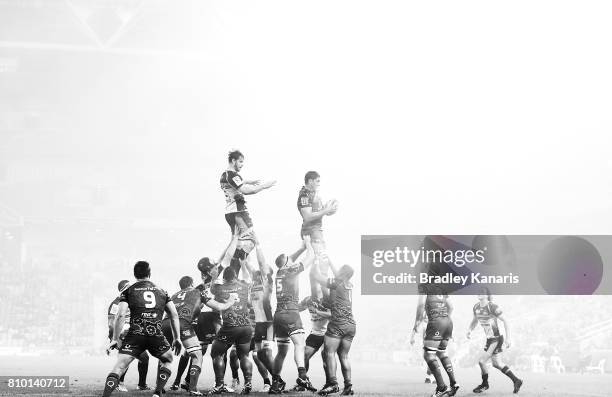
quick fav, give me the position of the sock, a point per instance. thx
(332, 380)
(162, 377)
(183, 361)
(266, 381)
(435, 370)
(194, 374)
(448, 367)
(112, 380)
(302, 372)
(506, 371)
(485, 379)
(143, 369)
(235, 373)
(275, 378)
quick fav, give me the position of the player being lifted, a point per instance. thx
(143, 360)
(487, 313)
(146, 303)
(434, 302)
(235, 188)
(341, 328)
(287, 321)
(313, 210)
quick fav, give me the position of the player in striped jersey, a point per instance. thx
(235, 188)
(487, 313)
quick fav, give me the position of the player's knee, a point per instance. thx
(166, 358)
(441, 354)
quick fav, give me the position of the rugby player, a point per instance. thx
(146, 303)
(312, 210)
(287, 321)
(487, 313)
(341, 328)
(143, 360)
(434, 302)
(188, 305)
(319, 317)
(236, 329)
(208, 322)
(235, 188)
(262, 318)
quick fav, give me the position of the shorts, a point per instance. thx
(315, 341)
(345, 331)
(135, 345)
(187, 334)
(235, 335)
(314, 231)
(287, 323)
(261, 331)
(244, 215)
(500, 344)
(208, 325)
(440, 328)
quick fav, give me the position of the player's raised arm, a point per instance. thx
(174, 322)
(299, 252)
(251, 188)
(309, 257)
(228, 253)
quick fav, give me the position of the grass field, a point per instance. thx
(87, 376)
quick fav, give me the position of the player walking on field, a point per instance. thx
(487, 313)
(146, 303)
(341, 328)
(434, 302)
(235, 188)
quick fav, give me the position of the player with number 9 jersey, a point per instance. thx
(146, 303)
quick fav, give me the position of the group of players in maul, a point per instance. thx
(231, 309)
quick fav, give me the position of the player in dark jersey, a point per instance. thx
(146, 303)
(208, 322)
(341, 328)
(235, 188)
(311, 208)
(487, 314)
(236, 329)
(434, 302)
(287, 321)
(143, 360)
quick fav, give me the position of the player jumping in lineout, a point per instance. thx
(313, 210)
(235, 188)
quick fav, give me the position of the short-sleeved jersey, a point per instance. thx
(234, 199)
(341, 296)
(238, 314)
(146, 302)
(260, 297)
(487, 317)
(288, 287)
(436, 306)
(308, 198)
(186, 302)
